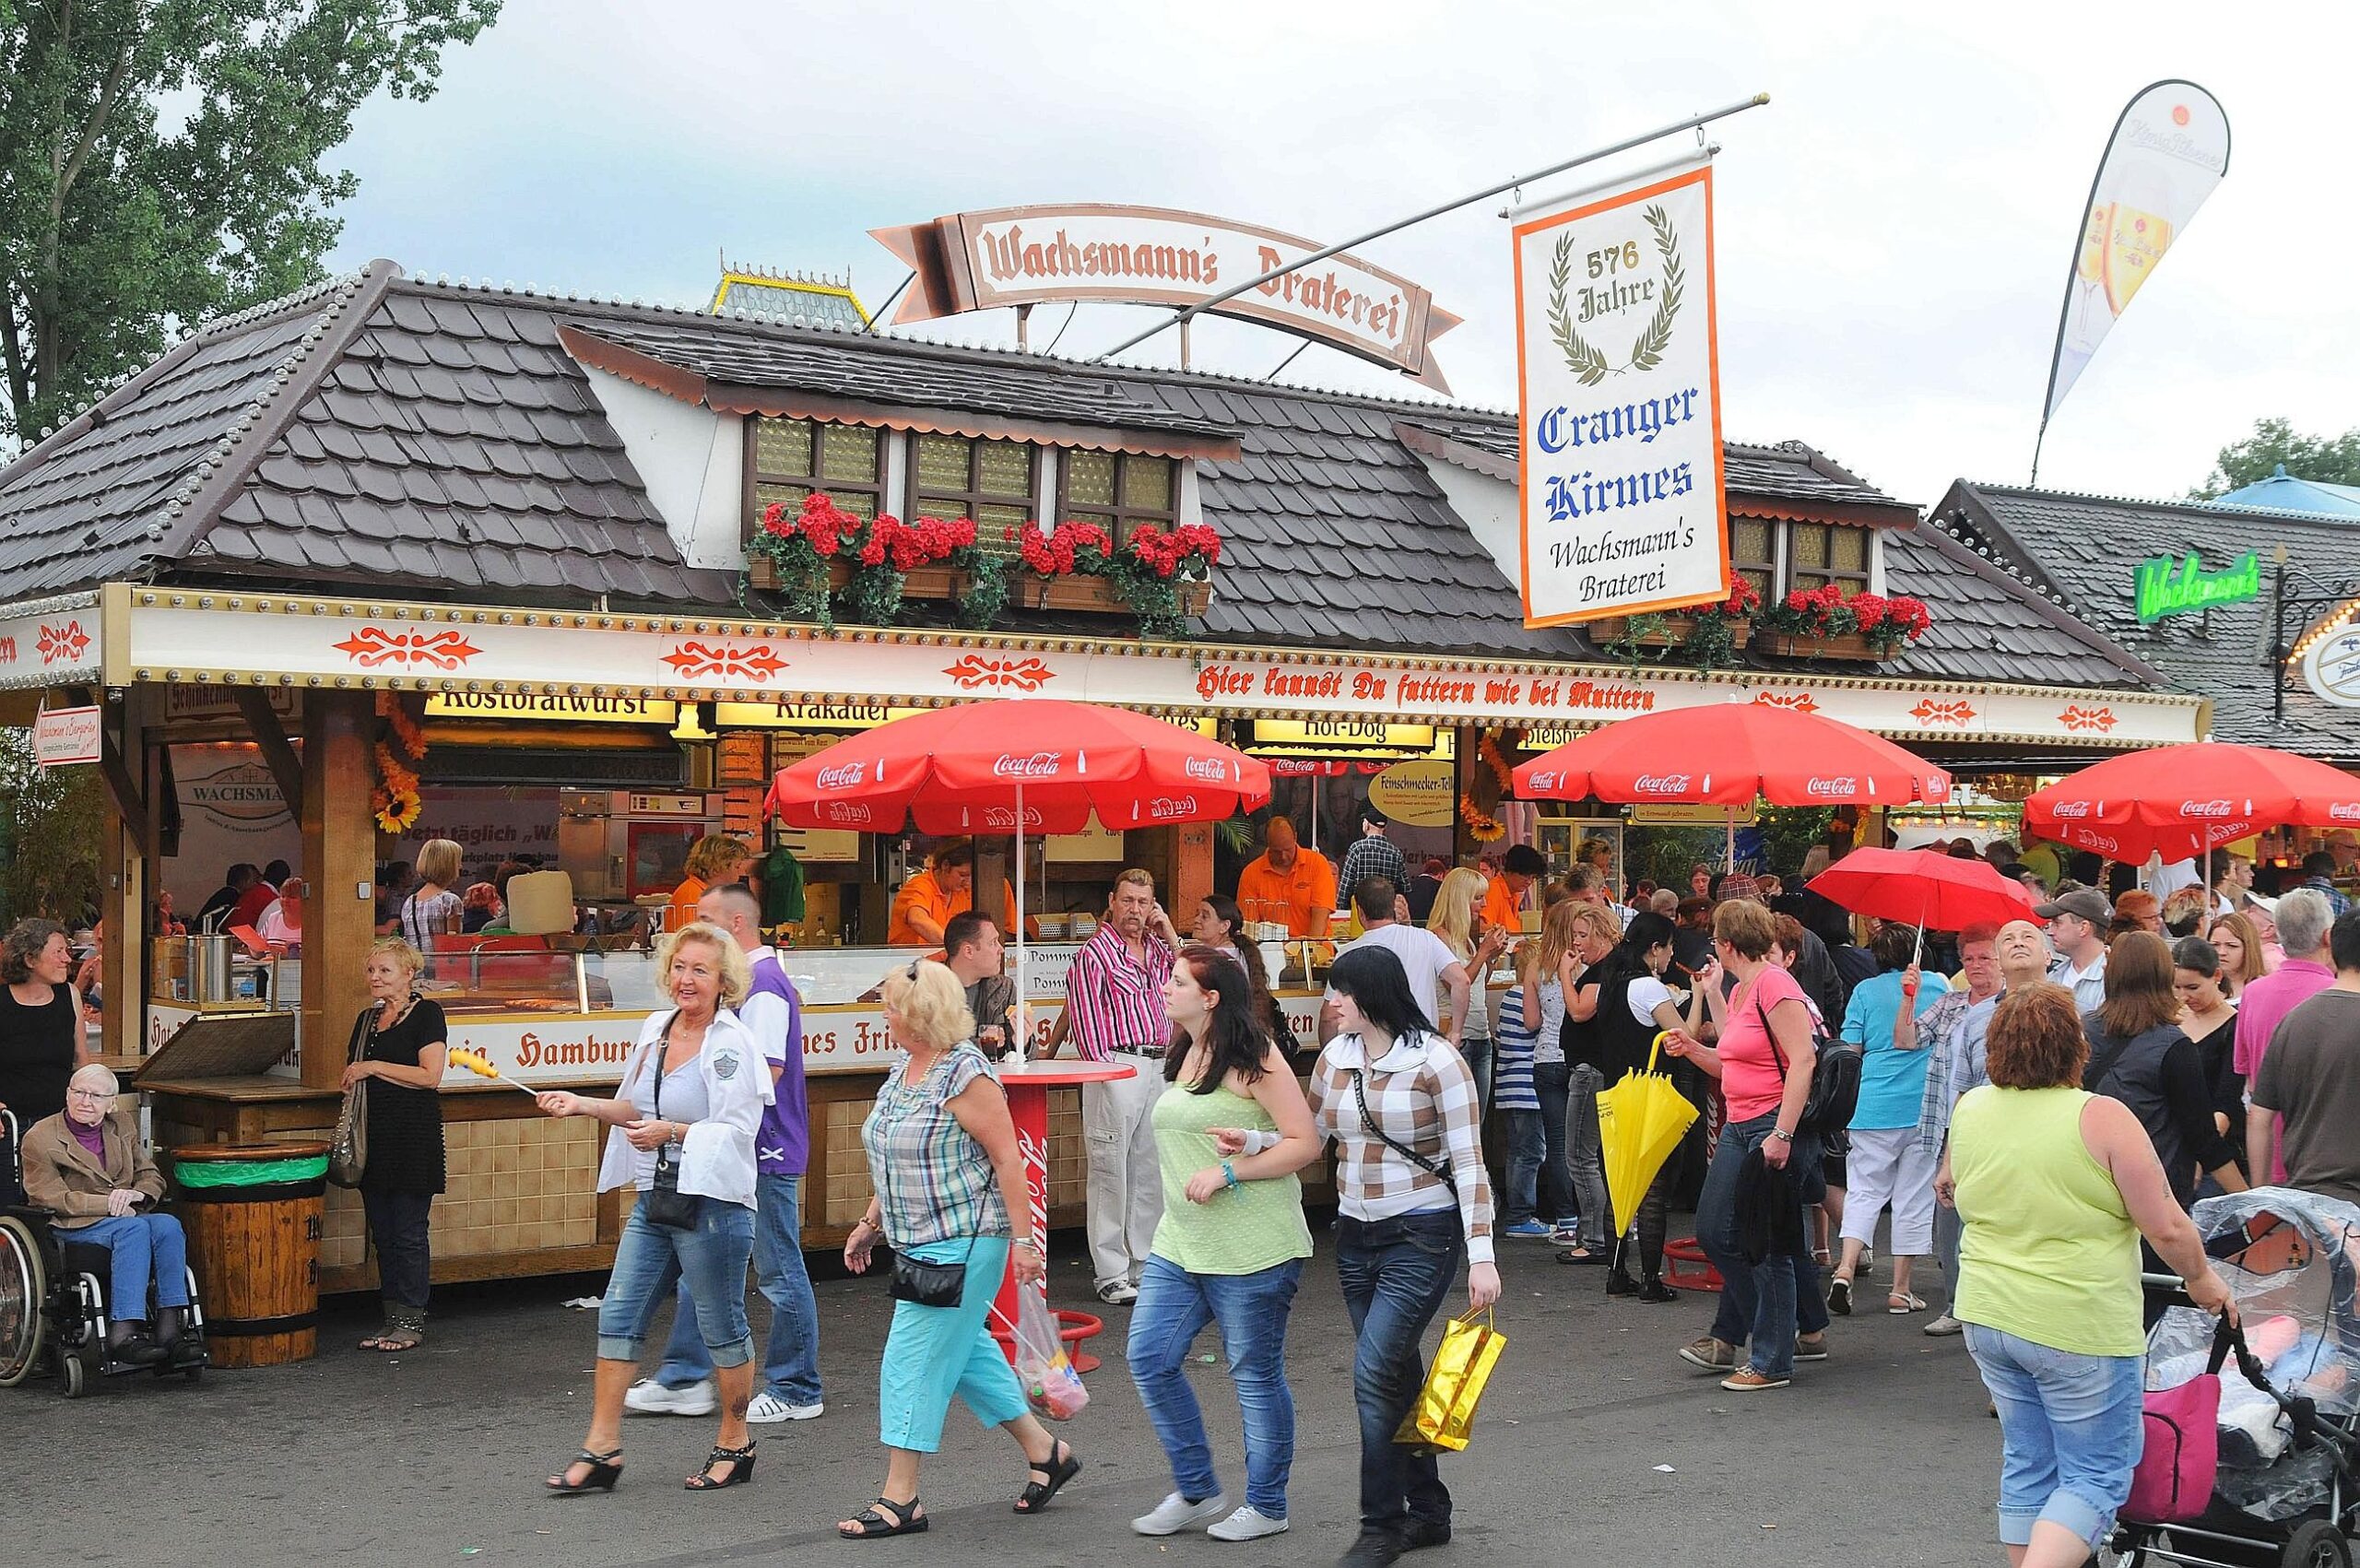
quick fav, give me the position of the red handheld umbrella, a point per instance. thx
(1727, 753)
(2179, 801)
(1020, 765)
(1925, 887)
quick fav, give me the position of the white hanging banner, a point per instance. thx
(1619, 366)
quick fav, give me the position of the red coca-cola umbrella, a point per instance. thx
(2178, 801)
(1021, 765)
(1726, 754)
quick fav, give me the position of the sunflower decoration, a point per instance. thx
(397, 799)
(1479, 807)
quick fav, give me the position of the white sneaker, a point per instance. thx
(1943, 1327)
(650, 1397)
(1247, 1524)
(768, 1408)
(1119, 1293)
(1175, 1513)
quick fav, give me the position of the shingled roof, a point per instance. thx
(447, 441)
(2086, 548)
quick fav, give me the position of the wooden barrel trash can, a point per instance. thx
(254, 1216)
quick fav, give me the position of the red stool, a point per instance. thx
(1684, 1268)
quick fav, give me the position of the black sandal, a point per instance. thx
(604, 1470)
(1036, 1494)
(741, 1467)
(906, 1520)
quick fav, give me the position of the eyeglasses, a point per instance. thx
(97, 1096)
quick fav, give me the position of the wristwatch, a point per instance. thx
(1782, 1135)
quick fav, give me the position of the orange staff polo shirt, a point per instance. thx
(1294, 895)
(923, 892)
(1503, 905)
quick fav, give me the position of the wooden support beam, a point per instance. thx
(278, 751)
(124, 794)
(339, 866)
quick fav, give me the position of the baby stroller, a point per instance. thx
(2289, 1428)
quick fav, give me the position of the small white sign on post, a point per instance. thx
(63, 736)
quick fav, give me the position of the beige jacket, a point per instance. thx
(61, 1175)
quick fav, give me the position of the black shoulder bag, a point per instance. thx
(1439, 1173)
(348, 1148)
(1835, 1079)
(664, 1203)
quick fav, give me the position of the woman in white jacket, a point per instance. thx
(689, 1104)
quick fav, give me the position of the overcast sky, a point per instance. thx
(1895, 228)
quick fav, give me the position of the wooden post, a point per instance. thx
(339, 865)
(1192, 870)
(125, 848)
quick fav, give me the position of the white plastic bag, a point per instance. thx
(1051, 1385)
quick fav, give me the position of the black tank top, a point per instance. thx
(37, 1053)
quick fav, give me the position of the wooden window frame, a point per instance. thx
(1776, 531)
(1860, 582)
(751, 520)
(1125, 518)
(973, 498)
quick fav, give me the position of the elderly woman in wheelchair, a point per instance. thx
(86, 1166)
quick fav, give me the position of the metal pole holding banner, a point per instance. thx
(1189, 313)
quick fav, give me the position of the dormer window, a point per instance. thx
(991, 481)
(793, 458)
(1118, 490)
(1821, 553)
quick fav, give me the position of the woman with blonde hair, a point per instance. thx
(2238, 942)
(951, 1202)
(400, 1041)
(686, 1113)
(433, 907)
(1458, 919)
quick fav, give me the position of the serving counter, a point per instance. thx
(519, 1198)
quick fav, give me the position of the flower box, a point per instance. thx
(1789, 645)
(918, 582)
(1668, 632)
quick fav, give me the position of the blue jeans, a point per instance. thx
(143, 1248)
(1477, 1050)
(1760, 1296)
(709, 1260)
(2070, 1434)
(791, 1356)
(1174, 1307)
(1551, 1081)
(1811, 1301)
(1395, 1274)
(1527, 1144)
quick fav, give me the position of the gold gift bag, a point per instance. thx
(1445, 1406)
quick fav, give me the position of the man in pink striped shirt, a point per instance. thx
(1115, 1013)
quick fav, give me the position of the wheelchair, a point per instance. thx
(53, 1301)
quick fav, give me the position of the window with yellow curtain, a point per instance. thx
(987, 479)
(1753, 553)
(793, 458)
(1820, 553)
(1118, 490)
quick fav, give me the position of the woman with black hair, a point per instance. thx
(1632, 1006)
(1229, 1250)
(1412, 1199)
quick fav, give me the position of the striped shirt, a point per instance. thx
(934, 1182)
(1113, 1001)
(1423, 1098)
(1512, 1088)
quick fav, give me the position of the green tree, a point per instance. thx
(53, 818)
(164, 161)
(2330, 460)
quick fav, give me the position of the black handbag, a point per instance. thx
(664, 1203)
(929, 1284)
(1835, 1079)
(349, 1148)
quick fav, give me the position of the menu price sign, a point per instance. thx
(1620, 481)
(64, 736)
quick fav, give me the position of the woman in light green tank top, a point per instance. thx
(2054, 1188)
(1228, 1251)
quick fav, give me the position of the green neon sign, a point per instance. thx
(2170, 586)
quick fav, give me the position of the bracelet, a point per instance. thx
(1782, 1135)
(1229, 1175)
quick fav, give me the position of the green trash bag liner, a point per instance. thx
(252, 1173)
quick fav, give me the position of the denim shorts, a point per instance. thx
(2069, 1433)
(651, 1260)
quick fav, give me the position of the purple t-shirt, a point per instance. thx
(783, 1145)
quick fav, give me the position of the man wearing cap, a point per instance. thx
(1503, 903)
(1375, 854)
(1288, 882)
(2077, 926)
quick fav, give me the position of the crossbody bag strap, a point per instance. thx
(1439, 1173)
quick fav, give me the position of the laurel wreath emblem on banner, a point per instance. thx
(1590, 365)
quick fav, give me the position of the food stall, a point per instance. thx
(384, 598)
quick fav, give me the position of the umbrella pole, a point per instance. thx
(1729, 845)
(1023, 1017)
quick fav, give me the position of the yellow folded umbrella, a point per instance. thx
(1640, 1121)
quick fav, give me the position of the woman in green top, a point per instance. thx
(1228, 1251)
(2055, 1188)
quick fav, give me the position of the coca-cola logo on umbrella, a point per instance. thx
(1660, 783)
(2206, 808)
(1040, 765)
(1841, 788)
(843, 776)
(1210, 769)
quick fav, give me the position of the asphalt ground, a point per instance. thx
(1595, 1445)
